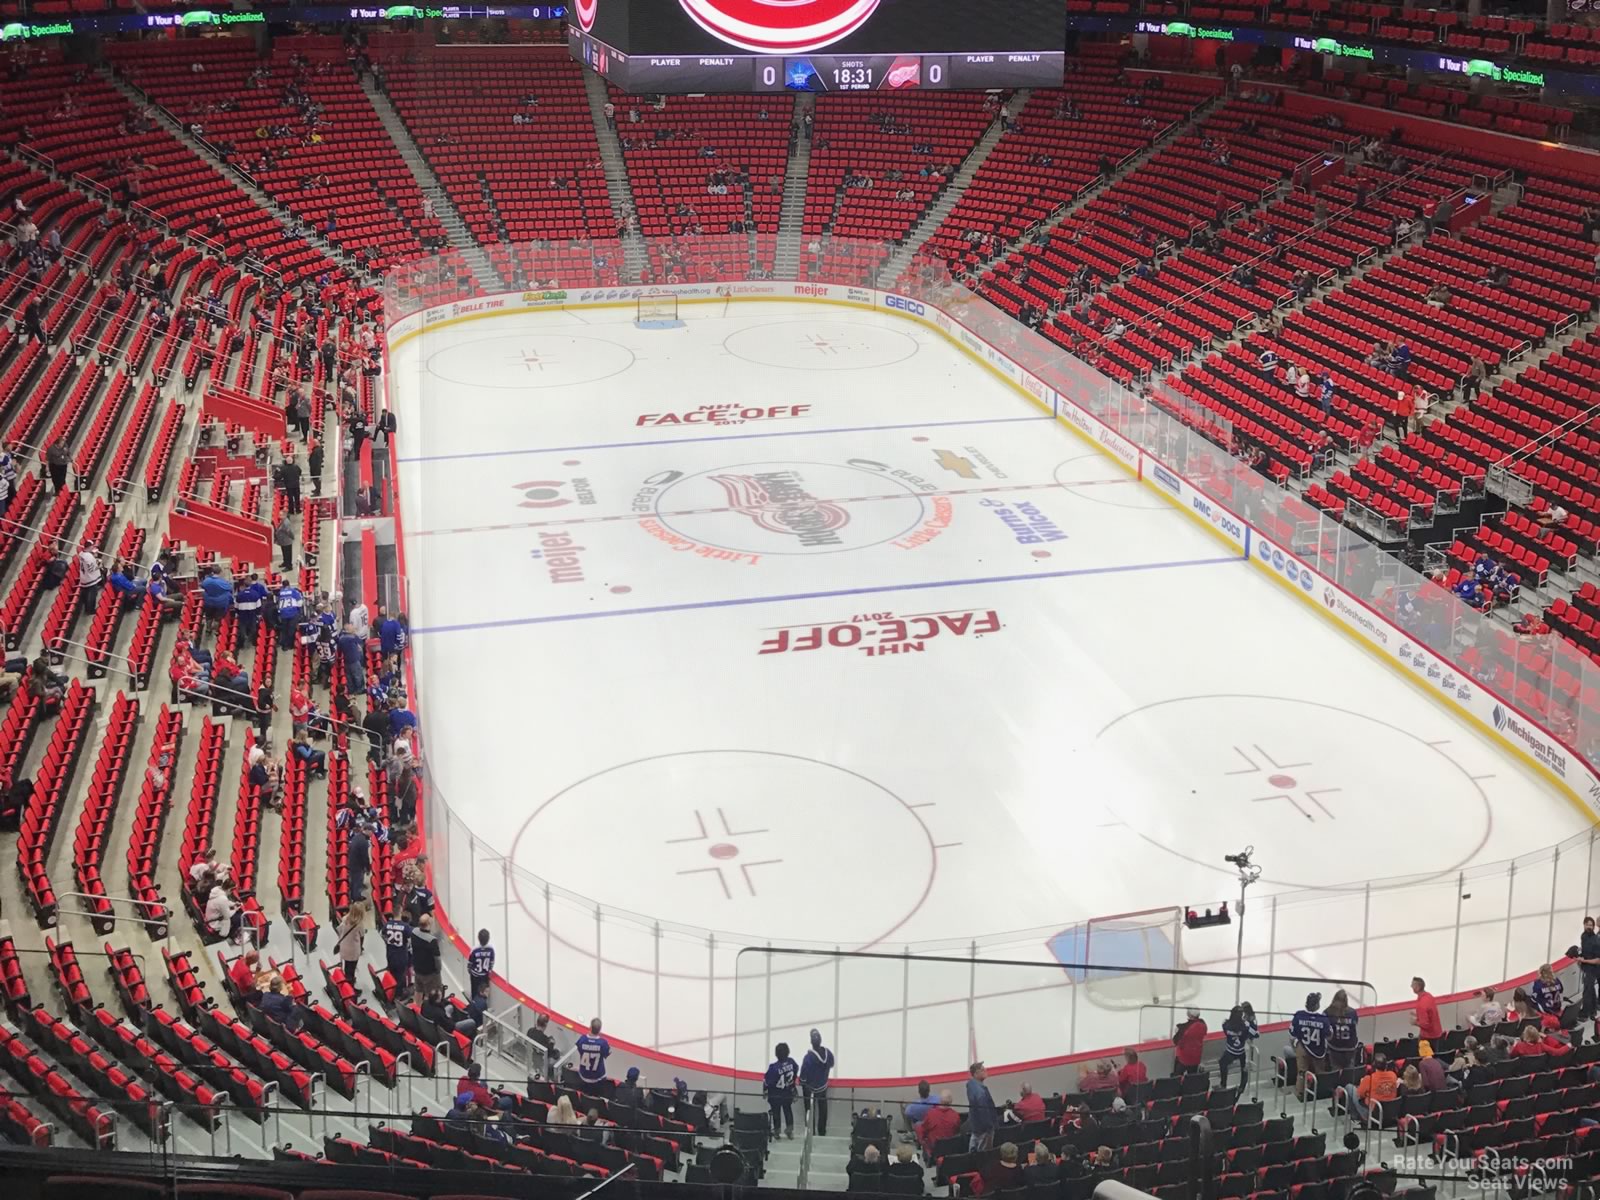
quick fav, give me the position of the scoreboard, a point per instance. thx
(675, 46)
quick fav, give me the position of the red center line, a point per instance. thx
(693, 512)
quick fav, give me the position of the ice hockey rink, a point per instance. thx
(796, 625)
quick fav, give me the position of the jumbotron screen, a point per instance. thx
(676, 46)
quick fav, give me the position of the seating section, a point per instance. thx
(300, 125)
(538, 181)
(1065, 139)
(706, 165)
(879, 161)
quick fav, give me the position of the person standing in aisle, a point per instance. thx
(91, 577)
(314, 458)
(397, 935)
(1238, 1031)
(593, 1050)
(289, 481)
(348, 939)
(480, 965)
(814, 1072)
(982, 1116)
(1589, 967)
(779, 1088)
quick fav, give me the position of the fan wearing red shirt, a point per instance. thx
(1132, 1072)
(243, 975)
(1029, 1105)
(1427, 1016)
(1188, 1041)
(1533, 1041)
(940, 1123)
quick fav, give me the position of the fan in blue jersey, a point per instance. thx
(1238, 1031)
(480, 965)
(1344, 1044)
(592, 1052)
(397, 948)
(1308, 1030)
(779, 1088)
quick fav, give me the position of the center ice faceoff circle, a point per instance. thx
(820, 345)
(791, 507)
(1296, 777)
(720, 838)
(529, 362)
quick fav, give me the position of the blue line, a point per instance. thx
(861, 591)
(726, 437)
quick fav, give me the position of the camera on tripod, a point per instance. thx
(1241, 859)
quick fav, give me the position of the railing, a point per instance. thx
(671, 988)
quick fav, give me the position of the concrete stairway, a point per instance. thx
(634, 259)
(791, 216)
(461, 239)
(243, 182)
(946, 203)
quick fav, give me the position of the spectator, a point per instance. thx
(1533, 1042)
(471, 1086)
(349, 935)
(397, 943)
(631, 1091)
(243, 976)
(425, 955)
(563, 1113)
(592, 1052)
(224, 917)
(1188, 1042)
(288, 478)
(778, 1086)
(1097, 1077)
(1548, 998)
(1344, 1043)
(91, 578)
(1133, 1072)
(865, 1173)
(314, 457)
(1003, 1173)
(1378, 1087)
(206, 871)
(904, 1165)
(283, 537)
(942, 1122)
(982, 1118)
(1308, 1031)
(1238, 1031)
(1491, 1012)
(480, 965)
(1431, 1070)
(1589, 969)
(1029, 1105)
(1426, 1018)
(1043, 1171)
(353, 650)
(815, 1069)
(216, 595)
(55, 461)
(919, 1108)
(280, 1008)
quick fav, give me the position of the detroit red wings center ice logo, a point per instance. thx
(778, 502)
(778, 26)
(587, 11)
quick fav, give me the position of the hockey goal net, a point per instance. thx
(1128, 960)
(657, 310)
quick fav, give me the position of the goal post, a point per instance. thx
(657, 312)
(1128, 960)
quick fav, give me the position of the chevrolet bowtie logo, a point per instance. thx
(951, 461)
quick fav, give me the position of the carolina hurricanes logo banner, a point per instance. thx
(587, 11)
(774, 26)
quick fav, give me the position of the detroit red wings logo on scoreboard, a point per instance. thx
(587, 11)
(778, 26)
